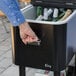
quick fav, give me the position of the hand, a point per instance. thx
(26, 33)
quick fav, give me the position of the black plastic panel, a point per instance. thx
(55, 3)
(50, 55)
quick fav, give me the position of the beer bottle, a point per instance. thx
(55, 14)
(61, 13)
(39, 18)
(67, 13)
(39, 11)
(47, 13)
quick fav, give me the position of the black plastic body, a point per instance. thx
(49, 55)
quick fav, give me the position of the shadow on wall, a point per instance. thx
(69, 54)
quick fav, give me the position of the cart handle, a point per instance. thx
(36, 43)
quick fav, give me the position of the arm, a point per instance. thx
(12, 11)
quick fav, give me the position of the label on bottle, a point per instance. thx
(39, 18)
(39, 11)
(55, 13)
(45, 10)
(45, 14)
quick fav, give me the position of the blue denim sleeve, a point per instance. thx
(12, 11)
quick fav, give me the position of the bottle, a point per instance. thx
(47, 13)
(67, 13)
(39, 18)
(39, 11)
(61, 13)
(55, 14)
(62, 10)
(50, 14)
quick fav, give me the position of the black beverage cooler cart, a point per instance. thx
(51, 53)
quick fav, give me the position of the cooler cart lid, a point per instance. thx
(55, 3)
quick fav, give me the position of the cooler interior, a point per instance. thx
(30, 14)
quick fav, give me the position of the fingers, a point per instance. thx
(28, 39)
(27, 34)
(30, 33)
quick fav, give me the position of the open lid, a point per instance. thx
(55, 3)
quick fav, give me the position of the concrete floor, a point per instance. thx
(7, 68)
(5, 48)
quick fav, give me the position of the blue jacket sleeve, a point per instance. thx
(12, 11)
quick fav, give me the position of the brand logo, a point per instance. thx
(48, 66)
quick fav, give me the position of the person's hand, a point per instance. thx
(25, 1)
(26, 33)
